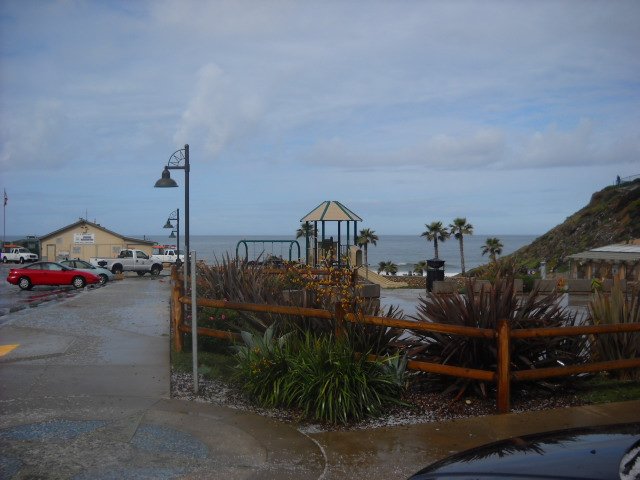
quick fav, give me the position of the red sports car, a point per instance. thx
(50, 273)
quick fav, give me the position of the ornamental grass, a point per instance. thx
(323, 377)
(612, 309)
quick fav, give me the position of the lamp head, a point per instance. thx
(166, 180)
(168, 224)
(173, 234)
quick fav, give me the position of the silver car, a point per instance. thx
(104, 274)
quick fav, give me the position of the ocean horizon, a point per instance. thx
(403, 250)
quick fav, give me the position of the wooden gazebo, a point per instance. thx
(330, 211)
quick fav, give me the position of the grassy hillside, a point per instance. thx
(612, 216)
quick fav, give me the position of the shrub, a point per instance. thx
(608, 310)
(320, 375)
(241, 282)
(263, 366)
(329, 382)
(483, 309)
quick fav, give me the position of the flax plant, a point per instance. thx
(613, 309)
(483, 308)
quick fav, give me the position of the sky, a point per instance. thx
(509, 113)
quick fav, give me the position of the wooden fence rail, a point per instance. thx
(503, 335)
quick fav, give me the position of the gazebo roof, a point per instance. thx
(331, 211)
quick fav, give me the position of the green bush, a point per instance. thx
(330, 382)
(608, 310)
(263, 366)
(483, 309)
(322, 376)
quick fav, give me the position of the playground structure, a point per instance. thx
(328, 249)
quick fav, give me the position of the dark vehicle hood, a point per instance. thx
(611, 452)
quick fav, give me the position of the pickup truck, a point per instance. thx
(19, 255)
(166, 254)
(129, 260)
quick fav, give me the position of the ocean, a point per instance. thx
(403, 250)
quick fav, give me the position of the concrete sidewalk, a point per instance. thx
(85, 395)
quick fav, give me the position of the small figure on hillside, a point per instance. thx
(618, 180)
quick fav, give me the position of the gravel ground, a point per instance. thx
(423, 407)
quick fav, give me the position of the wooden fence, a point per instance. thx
(503, 334)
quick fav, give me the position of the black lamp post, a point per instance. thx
(175, 215)
(179, 160)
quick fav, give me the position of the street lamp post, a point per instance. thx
(179, 160)
(175, 215)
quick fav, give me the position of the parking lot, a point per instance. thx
(13, 299)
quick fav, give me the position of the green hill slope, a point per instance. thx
(612, 216)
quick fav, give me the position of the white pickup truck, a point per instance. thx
(129, 260)
(18, 255)
(166, 254)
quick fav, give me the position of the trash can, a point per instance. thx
(435, 272)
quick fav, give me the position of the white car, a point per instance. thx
(77, 264)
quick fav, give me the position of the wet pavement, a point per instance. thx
(84, 394)
(13, 299)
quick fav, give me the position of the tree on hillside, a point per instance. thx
(305, 228)
(435, 232)
(492, 246)
(366, 237)
(459, 228)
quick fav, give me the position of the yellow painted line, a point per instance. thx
(4, 349)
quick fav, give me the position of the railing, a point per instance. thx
(503, 335)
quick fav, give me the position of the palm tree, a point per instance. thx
(459, 228)
(388, 267)
(305, 228)
(493, 246)
(366, 237)
(435, 231)
(420, 267)
(392, 268)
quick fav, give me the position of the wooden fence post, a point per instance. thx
(176, 310)
(503, 373)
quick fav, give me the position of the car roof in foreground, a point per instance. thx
(601, 453)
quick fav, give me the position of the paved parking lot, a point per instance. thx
(13, 299)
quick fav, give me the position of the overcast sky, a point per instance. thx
(510, 114)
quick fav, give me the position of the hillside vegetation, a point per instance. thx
(612, 216)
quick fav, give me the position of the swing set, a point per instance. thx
(272, 257)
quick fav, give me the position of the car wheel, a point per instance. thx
(21, 259)
(25, 284)
(155, 270)
(117, 269)
(79, 282)
(141, 274)
(103, 278)
(4, 260)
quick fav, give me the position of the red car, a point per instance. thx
(50, 273)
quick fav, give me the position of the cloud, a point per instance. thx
(35, 138)
(482, 149)
(580, 146)
(219, 113)
(394, 94)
